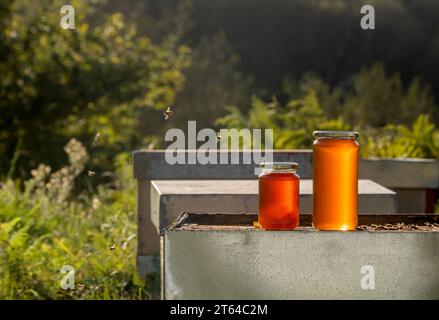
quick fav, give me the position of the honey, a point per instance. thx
(279, 196)
(335, 180)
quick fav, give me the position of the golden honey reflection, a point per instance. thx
(335, 184)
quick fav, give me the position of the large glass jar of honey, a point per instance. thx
(278, 196)
(335, 180)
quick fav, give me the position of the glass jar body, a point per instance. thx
(278, 200)
(335, 184)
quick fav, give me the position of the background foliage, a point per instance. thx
(43, 227)
(56, 83)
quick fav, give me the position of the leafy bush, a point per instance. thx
(292, 123)
(378, 99)
(56, 84)
(43, 227)
(400, 129)
(421, 140)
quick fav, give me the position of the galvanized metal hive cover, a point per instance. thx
(222, 256)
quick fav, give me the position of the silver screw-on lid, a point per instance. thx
(336, 134)
(279, 165)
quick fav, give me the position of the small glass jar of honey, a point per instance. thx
(335, 180)
(278, 196)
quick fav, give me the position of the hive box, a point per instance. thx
(222, 256)
(415, 182)
(170, 198)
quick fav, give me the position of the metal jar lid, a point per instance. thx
(279, 165)
(336, 134)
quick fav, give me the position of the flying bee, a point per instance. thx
(271, 106)
(113, 247)
(218, 137)
(95, 139)
(168, 113)
(91, 173)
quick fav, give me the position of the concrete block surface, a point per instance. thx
(170, 198)
(402, 173)
(234, 261)
(152, 165)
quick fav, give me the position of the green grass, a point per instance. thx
(44, 225)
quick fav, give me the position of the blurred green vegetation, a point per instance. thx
(108, 82)
(275, 38)
(44, 226)
(57, 84)
(392, 122)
